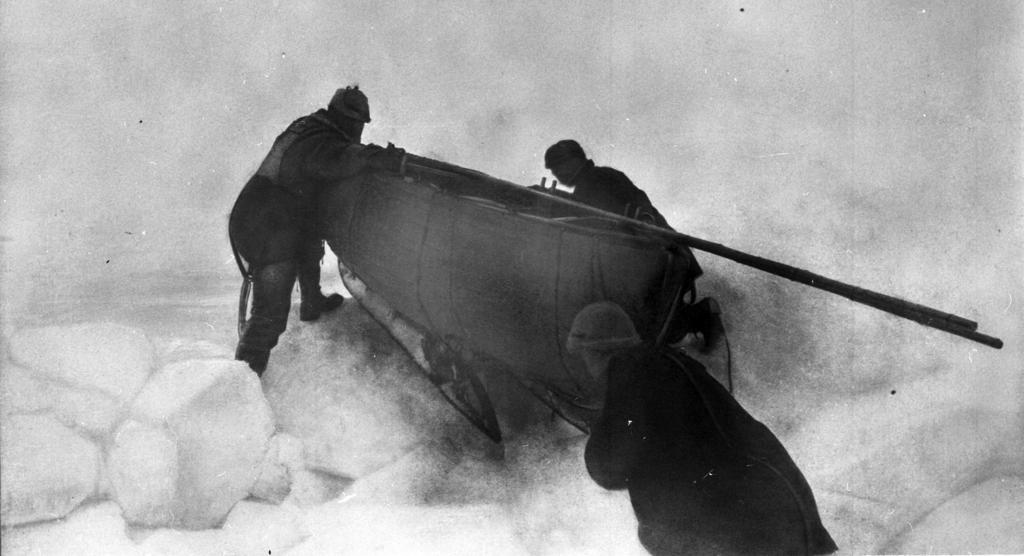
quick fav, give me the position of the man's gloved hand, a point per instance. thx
(391, 158)
(369, 150)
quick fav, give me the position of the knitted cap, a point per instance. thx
(351, 103)
(561, 151)
(602, 326)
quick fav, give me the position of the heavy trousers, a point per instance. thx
(272, 286)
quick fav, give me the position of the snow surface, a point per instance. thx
(74, 354)
(384, 466)
(47, 469)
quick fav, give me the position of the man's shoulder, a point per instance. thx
(610, 177)
(315, 123)
(668, 365)
(608, 171)
(652, 362)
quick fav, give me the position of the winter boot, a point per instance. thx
(313, 305)
(313, 302)
(257, 359)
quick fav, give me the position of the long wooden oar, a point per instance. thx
(927, 316)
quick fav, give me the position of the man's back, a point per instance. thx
(704, 475)
(610, 190)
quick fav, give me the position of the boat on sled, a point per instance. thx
(469, 272)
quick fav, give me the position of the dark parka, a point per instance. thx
(274, 225)
(704, 477)
(610, 190)
(275, 217)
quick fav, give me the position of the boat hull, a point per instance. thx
(483, 266)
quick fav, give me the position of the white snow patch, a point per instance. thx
(172, 389)
(89, 410)
(21, 392)
(92, 411)
(250, 528)
(985, 519)
(215, 414)
(143, 471)
(898, 465)
(345, 528)
(113, 358)
(355, 399)
(274, 479)
(558, 509)
(92, 530)
(178, 349)
(409, 479)
(46, 470)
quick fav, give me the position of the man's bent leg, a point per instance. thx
(313, 301)
(271, 300)
(704, 318)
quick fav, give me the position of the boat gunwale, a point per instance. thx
(628, 231)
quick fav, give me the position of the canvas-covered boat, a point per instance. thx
(467, 270)
(470, 272)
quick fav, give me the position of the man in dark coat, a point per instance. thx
(273, 224)
(610, 190)
(598, 186)
(704, 477)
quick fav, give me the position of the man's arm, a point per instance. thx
(617, 436)
(331, 159)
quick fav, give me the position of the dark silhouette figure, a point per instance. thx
(703, 475)
(610, 190)
(273, 224)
